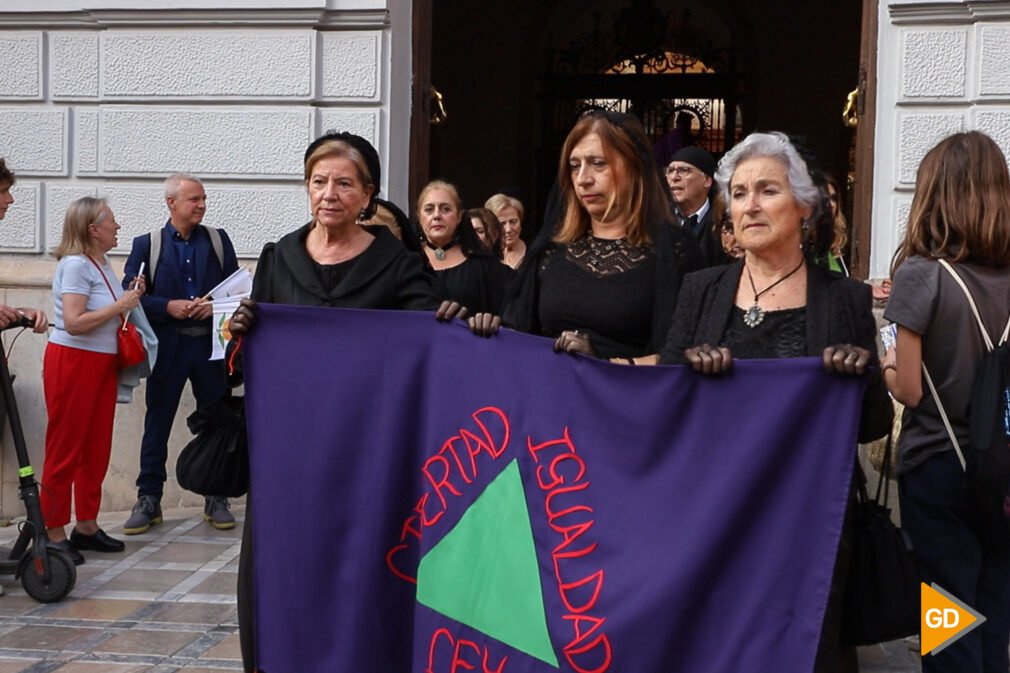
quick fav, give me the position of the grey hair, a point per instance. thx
(777, 146)
(175, 180)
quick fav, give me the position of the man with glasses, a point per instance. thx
(689, 175)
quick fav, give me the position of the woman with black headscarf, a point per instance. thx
(602, 278)
(333, 260)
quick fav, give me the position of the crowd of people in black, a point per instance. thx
(740, 258)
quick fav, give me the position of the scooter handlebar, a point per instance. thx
(23, 321)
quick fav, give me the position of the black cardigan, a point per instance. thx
(838, 311)
(385, 276)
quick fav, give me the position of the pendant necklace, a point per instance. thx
(440, 251)
(755, 315)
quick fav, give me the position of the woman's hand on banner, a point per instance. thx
(846, 359)
(709, 360)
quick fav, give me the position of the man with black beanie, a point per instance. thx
(690, 177)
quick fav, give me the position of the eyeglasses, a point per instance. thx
(682, 171)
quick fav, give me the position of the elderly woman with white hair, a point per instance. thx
(776, 303)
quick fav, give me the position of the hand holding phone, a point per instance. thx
(889, 336)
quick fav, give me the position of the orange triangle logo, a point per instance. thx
(944, 619)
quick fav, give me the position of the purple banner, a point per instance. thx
(426, 500)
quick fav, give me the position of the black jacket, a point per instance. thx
(838, 311)
(386, 276)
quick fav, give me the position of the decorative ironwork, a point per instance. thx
(643, 40)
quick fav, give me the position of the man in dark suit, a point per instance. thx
(690, 177)
(190, 260)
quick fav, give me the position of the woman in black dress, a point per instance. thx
(333, 261)
(602, 277)
(467, 273)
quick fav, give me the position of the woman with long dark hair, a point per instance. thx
(603, 275)
(958, 232)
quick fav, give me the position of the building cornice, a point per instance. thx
(948, 12)
(322, 19)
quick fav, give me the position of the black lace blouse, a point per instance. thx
(782, 334)
(603, 287)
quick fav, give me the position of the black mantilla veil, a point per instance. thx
(675, 251)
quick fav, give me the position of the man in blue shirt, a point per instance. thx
(190, 259)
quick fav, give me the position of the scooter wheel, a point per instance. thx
(62, 577)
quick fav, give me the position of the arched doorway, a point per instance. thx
(515, 74)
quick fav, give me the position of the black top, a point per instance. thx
(653, 272)
(838, 311)
(384, 276)
(478, 284)
(782, 334)
(605, 288)
(332, 274)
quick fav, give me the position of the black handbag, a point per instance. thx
(882, 588)
(216, 461)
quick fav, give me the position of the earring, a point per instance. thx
(363, 215)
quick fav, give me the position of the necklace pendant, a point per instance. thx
(439, 254)
(754, 316)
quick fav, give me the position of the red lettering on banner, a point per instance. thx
(595, 580)
(391, 563)
(445, 474)
(456, 662)
(592, 650)
(561, 474)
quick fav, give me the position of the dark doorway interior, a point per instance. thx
(514, 75)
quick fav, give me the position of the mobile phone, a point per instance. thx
(889, 336)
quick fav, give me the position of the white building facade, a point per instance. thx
(942, 67)
(107, 97)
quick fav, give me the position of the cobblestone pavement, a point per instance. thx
(167, 604)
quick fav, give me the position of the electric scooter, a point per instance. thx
(47, 573)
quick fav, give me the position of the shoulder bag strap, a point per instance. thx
(155, 254)
(216, 244)
(974, 309)
(943, 415)
(114, 297)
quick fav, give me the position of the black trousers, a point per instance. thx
(941, 520)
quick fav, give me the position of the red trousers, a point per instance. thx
(80, 389)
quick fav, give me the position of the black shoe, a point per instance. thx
(100, 541)
(66, 547)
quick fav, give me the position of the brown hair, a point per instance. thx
(499, 202)
(492, 226)
(636, 181)
(82, 213)
(961, 208)
(338, 148)
(6, 175)
(839, 227)
(444, 186)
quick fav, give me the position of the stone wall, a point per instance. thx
(942, 68)
(108, 97)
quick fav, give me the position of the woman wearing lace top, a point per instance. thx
(602, 277)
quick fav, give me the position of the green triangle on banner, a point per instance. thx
(484, 573)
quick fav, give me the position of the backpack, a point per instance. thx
(155, 236)
(986, 459)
